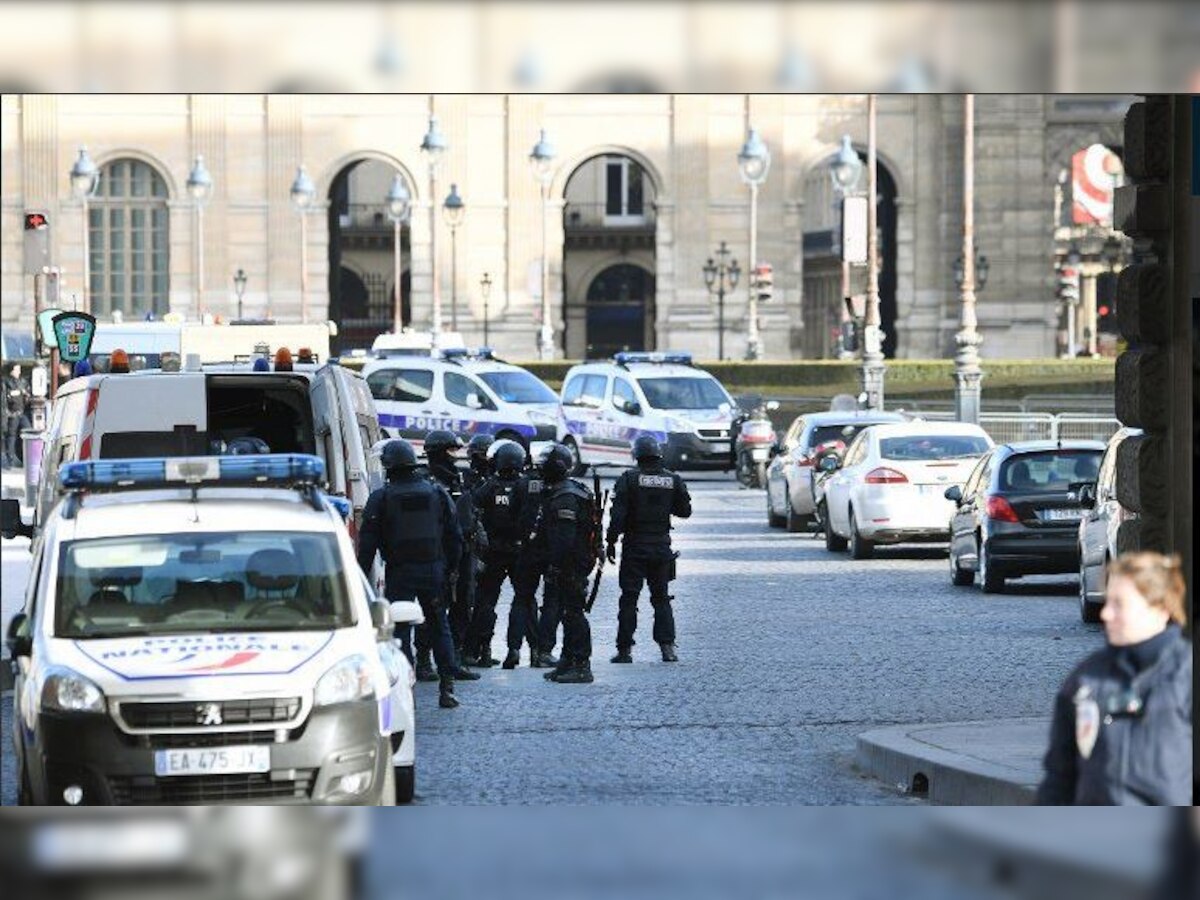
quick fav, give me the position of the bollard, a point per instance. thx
(32, 443)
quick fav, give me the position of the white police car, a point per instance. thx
(606, 406)
(468, 392)
(186, 639)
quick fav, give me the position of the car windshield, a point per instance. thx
(683, 393)
(187, 583)
(1052, 470)
(932, 446)
(518, 387)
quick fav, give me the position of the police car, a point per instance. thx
(466, 391)
(197, 630)
(606, 406)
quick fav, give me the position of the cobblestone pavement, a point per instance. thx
(787, 653)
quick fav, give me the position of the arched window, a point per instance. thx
(128, 240)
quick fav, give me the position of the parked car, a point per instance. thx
(1018, 513)
(890, 488)
(790, 501)
(1102, 516)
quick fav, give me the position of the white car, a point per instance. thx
(890, 487)
(198, 630)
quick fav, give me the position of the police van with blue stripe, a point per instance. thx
(466, 391)
(606, 406)
(197, 630)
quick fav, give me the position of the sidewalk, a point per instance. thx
(960, 763)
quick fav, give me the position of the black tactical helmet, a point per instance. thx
(478, 446)
(558, 463)
(398, 454)
(509, 458)
(646, 447)
(441, 441)
(246, 446)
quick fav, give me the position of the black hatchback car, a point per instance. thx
(1018, 512)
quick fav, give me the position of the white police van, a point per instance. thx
(466, 391)
(185, 639)
(606, 406)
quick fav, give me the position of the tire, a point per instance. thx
(576, 456)
(959, 577)
(1089, 612)
(405, 778)
(388, 796)
(774, 520)
(834, 542)
(991, 581)
(860, 547)
(796, 523)
(760, 474)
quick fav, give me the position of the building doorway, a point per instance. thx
(618, 300)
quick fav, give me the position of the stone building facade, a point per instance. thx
(644, 189)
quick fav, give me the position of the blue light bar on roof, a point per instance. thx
(624, 358)
(466, 353)
(268, 469)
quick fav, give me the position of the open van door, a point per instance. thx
(327, 428)
(353, 430)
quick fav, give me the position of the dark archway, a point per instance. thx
(352, 295)
(617, 301)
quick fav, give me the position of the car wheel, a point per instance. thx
(406, 783)
(860, 547)
(991, 581)
(773, 519)
(1089, 612)
(577, 467)
(796, 522)
(834, 542)
(959, 576)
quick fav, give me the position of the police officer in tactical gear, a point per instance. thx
(566, 534)
(498, 503)
(480, 469)
(523, 623)
(440, 446)
(411, 522)
(644, 499)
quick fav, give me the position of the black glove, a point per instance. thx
(611, 553)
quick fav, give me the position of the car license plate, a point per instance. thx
(212, 761)
(1059, 515)
(718, 447)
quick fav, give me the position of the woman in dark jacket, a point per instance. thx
(1122, 729)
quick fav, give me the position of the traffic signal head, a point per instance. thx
(764, 282)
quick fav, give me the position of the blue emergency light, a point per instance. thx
(625, 357)
(467, 353)
(270, 469)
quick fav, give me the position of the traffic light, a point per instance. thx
(1068, 285)
(764, 282)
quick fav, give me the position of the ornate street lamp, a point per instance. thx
(303, 193)
(399, 203)
(845, 170)
(967, 373)
(85, 178)
(199, 188)
(433, 148)
(485, 289)
(754, 162)
(453, 210)
(541, 162)
(718, 278)
(874, 369)
(239, 288)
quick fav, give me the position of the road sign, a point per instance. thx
(73, 333)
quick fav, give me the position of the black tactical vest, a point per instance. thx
(413, 532)
(651, 495)
(499, 511)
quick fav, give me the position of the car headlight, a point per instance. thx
(349, 680)
(65, 690)
(542, 418)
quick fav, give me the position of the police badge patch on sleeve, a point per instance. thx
(1087, 721)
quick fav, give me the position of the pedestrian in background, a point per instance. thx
(16, 401)
(1122, 727)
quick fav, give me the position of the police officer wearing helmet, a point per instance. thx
(566, 534)
(440, 446)
(644, 499)
(412, 523)
(497, 502)
(523, 619)
(478, 457)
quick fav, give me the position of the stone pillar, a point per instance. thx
(1087, 309)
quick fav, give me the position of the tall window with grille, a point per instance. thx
(129, 240)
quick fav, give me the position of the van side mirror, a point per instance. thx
(19, 640)
(381, 616)
(406, 612)
(633, 407)
(11, 525)
(474, 402)
(1086, 491)
(772, 405)
(954, 492)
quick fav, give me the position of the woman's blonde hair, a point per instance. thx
(1158, 578)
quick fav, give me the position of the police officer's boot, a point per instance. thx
(668, 652)
(446, 698)
(512, 659)
(623, 656)
(580, 673)
(461, 673)
(565, 664)
(425, 670)
(542, 659)
(470, 657)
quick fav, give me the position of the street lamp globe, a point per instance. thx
(84, 175)
(734, 274)
(710, 273)
(485, 284)
(541, 159)
(398, 199)
(434, 145)
(199, 182)
(239, 282)
(754, 159)
(303, 192)
(453, 208)
(845, 168)
(982, 267)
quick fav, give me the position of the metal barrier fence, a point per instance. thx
(1007, 427)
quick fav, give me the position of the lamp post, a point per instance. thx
(873, 366)
(239, 288)
(754, 161)
(717, 278)
(485, 288)
(399, 202)
(1073, 260)
(303, 193)
(845, 168)
(434, 147)
(85, 178)
(967, 374)
(541, 161)
(453, 209)
(199, 187)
